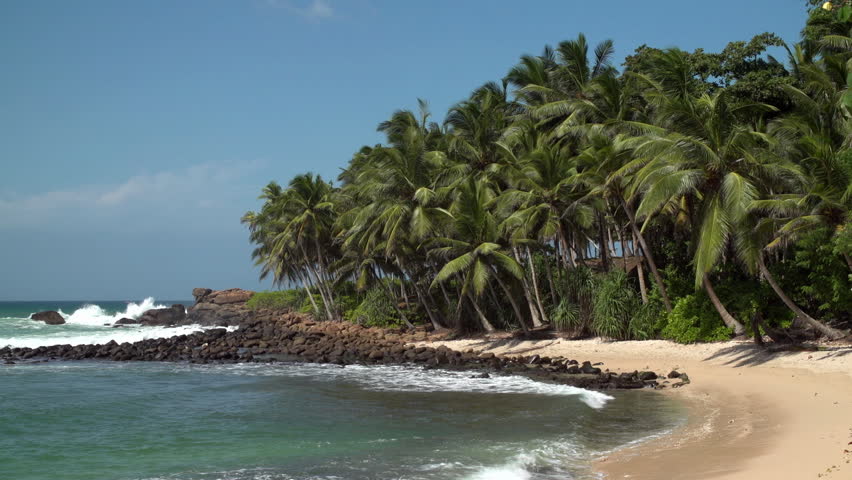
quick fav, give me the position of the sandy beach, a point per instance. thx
(753, 415)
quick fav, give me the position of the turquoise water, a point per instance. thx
(145, 421)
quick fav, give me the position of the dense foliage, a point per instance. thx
(690, 196)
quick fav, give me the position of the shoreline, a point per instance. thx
(751, 415)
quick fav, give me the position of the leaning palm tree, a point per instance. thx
(706, 169)
(304, 215)
(397, 211)
(475, 251)
(816, 136)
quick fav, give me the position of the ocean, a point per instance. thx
(173, 421)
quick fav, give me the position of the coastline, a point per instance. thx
(752, 415)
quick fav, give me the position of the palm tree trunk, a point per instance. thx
(646, 252)
(310, 295)
(435, 323)
(311, 269)
(550, 279)
(536, 290)
(389, 292)
(482, 319)
(534, 312)
(620, 234)
(437, 310)
(324, 269)
(640, 271)
(729, 319)
(829, 332)
(514, 303)
(848, 260)
(603, 249)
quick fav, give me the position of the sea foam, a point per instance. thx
(88, 325)
(403, 378)
(94, 315)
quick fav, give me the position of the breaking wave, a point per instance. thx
(94, 315)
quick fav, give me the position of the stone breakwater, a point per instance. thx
(270, 336)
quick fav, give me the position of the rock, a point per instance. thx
(481, 375)
(647, 376)
(49, 317)
(233, 295)
(160, 317)
(126, 321)
(200, 293)
(674, 374)
(589, 369)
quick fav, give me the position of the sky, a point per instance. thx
(134, 135)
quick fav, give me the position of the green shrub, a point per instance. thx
(643, 324)
(614, 304)
(291, 299)
(694, 319)
(307, 307)
(565, 316)
(574, 311)
(376, 310)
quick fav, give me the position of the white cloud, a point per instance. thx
(167, 194)
(314, 9)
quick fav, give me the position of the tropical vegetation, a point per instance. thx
(686, 195)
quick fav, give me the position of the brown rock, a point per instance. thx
(49, 317)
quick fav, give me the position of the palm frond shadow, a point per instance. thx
(748, 355)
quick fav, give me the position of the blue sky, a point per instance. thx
(133, 135)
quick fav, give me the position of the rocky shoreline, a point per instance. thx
(275, 336)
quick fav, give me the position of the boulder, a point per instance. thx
(126, 321)
(200, 293)
(49, 317)
(589, 369)
(161, 317)
(233, 295)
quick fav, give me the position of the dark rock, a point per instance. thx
(160, 317)
(49, 317)
(674, 374)
(200, 293)
(126, 321)
(587, 368)
(647, 376)
(482, 375)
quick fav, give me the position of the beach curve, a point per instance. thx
(753, 415)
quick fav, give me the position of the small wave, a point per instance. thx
(94, 315)
(403, 378)
(517, 469)
(101, 336)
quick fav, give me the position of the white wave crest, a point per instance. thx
(99, 336)
(94, 315)
(517, 469)
(402, 378)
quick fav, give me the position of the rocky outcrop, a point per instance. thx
(164, 317)
(223, 308)
(49, 317)
(269, 336)
(126, 321)
(221, 297)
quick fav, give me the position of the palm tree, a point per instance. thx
(396, 184)
(476, 252)
(705, 168)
